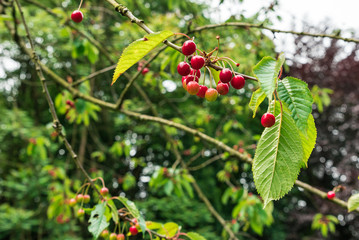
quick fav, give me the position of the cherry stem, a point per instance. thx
(210, 80)
(80, 5)
(221, 58)
(82, 188)
(280, 73)
(204, 76)
(230, 65)
(181, 34)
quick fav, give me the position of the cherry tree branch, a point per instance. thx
(273, 30)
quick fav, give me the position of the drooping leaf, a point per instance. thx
(257, 98)
(308, 140)
(297, 95)
(195, 236)
(353, 202)
(97, 220)
(266, 71)
(131, 207)
(137, 50)
(278, 157)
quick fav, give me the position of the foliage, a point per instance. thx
(324, 223)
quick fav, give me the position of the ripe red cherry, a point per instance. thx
(113, 236)
(211, 94)
(197, 62)
(120, 236)
(77, 16)
(72, 202)
(331, 194)
(80, 212)
(87, 198)
(183, 68)
(145, 71)
(104, 191)
(225, 75)
(191, 78)
(222, 88)
(192, 87)
(133, 230)
(238, 82)
(202, 91)
(188, 47)
(195, 72)
(267, 120)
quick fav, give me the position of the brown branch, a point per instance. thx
(56, 123)
(92, 75)
(273, 30)
(206, 163)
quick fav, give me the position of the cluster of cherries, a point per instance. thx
(191, 73)
(80, 198)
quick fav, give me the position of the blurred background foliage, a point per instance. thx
(36, 173)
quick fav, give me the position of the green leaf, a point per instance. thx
(353, 202)
(324, 230)
(169, 229)
(266, 71)
(215, 75)
(195, 236)
(257, 98)
(131, 207)
(308, 140)
(137, 50)
(97, 220)
(296, 94)
(278, 157)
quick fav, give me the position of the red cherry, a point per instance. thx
(331, 194)
(77, 16)
(211, 94)
(145, 71)
(80, 212)
(188, 47)
(87, 198)
(195, 72)
(192, 87)
(104, 233)
(267, 120)
(133, 230)
(72, 202)
(225, 75)
(197, 62)
(191, 78)
(104, 191)
(238, 82)
(222, 88)
(183, 68)
(120, 236)
(113, 236)
(202, 91)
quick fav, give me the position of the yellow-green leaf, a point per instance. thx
(137, 50)
(257, 98)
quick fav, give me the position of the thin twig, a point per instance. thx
(206, 163)
(273, 30)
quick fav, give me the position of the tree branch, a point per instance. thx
(273, 30)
